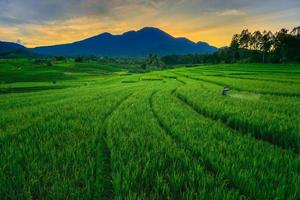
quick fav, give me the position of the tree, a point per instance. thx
(248, 46)
(154, 60)
(267, 42)
(244, 39)
(295, 44)
(257, 40)
(281, 39)
(234, 46)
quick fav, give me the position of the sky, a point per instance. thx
(49, 22)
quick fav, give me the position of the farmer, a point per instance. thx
(225, 90)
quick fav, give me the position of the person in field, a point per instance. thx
(225, 90)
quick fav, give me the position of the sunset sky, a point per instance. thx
(48, 22)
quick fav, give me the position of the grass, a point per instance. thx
(96, 131)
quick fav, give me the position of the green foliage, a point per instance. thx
(247, 47)
(283, 45)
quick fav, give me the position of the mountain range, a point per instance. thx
(130, 44)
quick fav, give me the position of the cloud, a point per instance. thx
(44, 11)
(231, 12)
(45, 22)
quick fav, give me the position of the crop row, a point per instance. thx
(148, 164)
(272, 78)
(25, 115)
(258, 86)
(258, 169)
(56, 157)
(14, 120)
(19, 100)
(278, 125)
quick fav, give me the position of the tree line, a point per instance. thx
(282, 46)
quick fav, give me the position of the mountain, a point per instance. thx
(130, 44)
(14, 50)
(10, 46)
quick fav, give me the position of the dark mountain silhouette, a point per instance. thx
(10, 46)
(14, 50)
(130, 44)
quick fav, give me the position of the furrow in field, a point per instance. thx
(147, 164)
(30, 117)
(52, 158)
(259, 79)
(173, 77)
(103, 189)
(255, 167)
(236, 69)
(205, 163)
(34, 100)
(31, 89)
(180, 81)
(289, 94)
(208, 168)
(34, 119)
(236, 127)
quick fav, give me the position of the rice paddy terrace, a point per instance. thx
(159, 135)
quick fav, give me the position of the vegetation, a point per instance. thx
(283, 46)
(246, 47)
(103, 132)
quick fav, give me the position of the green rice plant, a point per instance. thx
(148, 164)
(259, 170)
(258, 86)
(277, 123)
(167, 135)
(54, 160)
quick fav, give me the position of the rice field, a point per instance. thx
(159, 135)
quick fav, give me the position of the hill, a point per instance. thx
(10, 46)
(14, 50)
(130, 44)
